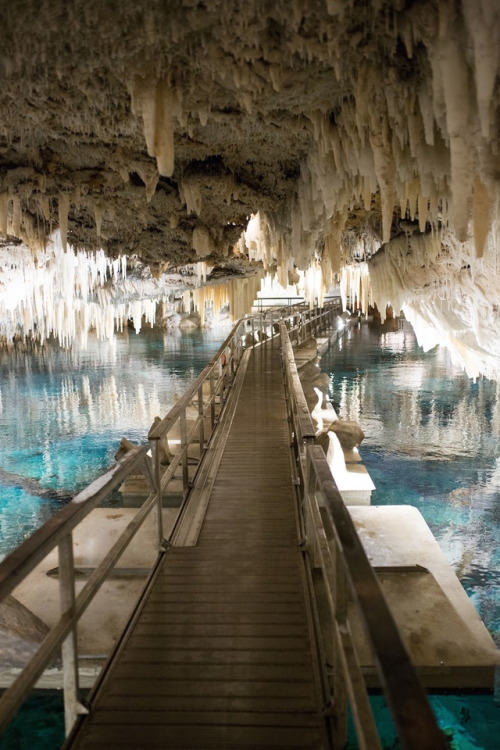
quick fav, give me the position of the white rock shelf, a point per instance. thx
(446, 638)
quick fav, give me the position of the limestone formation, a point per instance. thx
(349, 433)
(190, 323)
(326, 137)
(124, 447)
(309, 370)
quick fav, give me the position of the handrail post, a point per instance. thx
(201, 415)
(220, 372)
(339, 683)
(212, 402)
(184, 449)
(69, 645)
(155, 446)
(309, 491)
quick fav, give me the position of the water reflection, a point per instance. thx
(433, 441)
(63, 412)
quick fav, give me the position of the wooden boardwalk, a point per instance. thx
(221, 654)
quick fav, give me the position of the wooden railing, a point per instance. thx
(297, 303)
(182, 438)
(209, 393)
(58, 532)
(333, 546)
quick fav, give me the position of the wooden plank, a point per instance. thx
(118, 736)
(205, 688)
(233, 643)
(192, 718)
(148, 654)
(221, 630)
(220, 656)
(222, 597)
(254, 704)
(217, 584)
(169, 617)
(201, 556)
(274, 673)
(244, 525)
(220, 574)
(231, 606)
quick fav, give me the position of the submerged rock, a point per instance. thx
(349, 433)
(21, 633)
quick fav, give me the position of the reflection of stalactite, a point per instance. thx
(432, 428)
(79, 406)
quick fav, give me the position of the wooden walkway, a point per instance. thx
(221, 653)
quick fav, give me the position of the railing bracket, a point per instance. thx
(296, 481)
(328, 709)
(82, 709)
(165, 545)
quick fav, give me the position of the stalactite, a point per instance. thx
(99, 212)
(239, 294)
(155, 101)
(202, 242)
(4, 212)
(482, 213)
(63, 208)
(55, 291)
(452, 297)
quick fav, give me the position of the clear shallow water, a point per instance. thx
(432, 441)
(62, 413)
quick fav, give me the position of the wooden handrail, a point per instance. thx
(174, 413)
(412, 714)
(303, 415)
(21, 561)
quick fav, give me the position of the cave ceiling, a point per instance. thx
(157, 128)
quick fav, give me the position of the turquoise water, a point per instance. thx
(62, 414)
(432, 441)
(39, 725)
